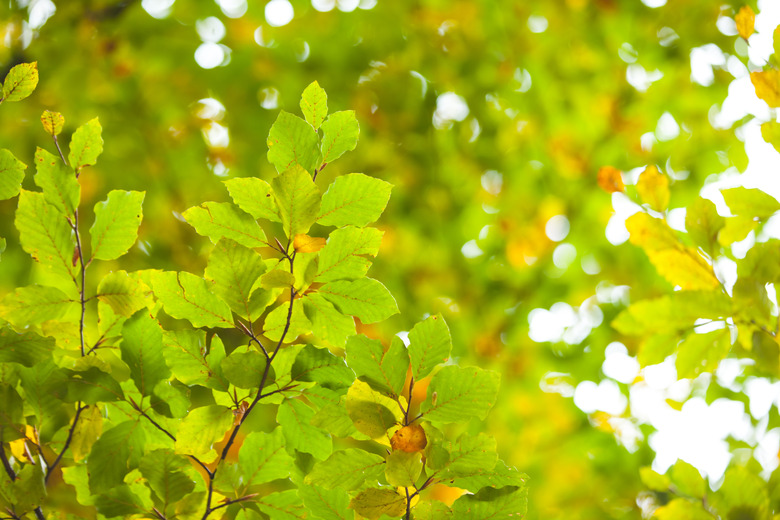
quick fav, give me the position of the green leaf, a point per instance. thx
(91, 386)
(319, 365)
(116, 224)
(284, 505)
(233, 270)
(471, 453)
(171, 399)
(276, 322)
(326, 504)
(703, 224)
(11, 175)
(35, 304)
(430, 344)
(457, 394)
(60, 186)
(27, 348)
(254, 196)
(371, 412)
(432, 510)
(11, 413)
(245, 369)
(702, 352)
(218, 220)
(736, 229)
(354, 199)
(119, 501)
(115, 453)
(201, 429)
(770, 130)
(671, 313)
(688, 480)
(45, 234)
(346, 469)
(682, 509)
(295, 419)
(507, 503)
(382, 369)
(20, 81)
(86, 145)
(298, 199)
(141, 349)
(277, 279)
(263, 458)
(29, 488)
(125, 294)
(344, 256)
(186, 296)
(185, 353)
(478, 478)
(44, 392)
(403, 469)
(314, 105)
(373, 503)
(292, 141)
(334, 419)
(653, 480)
(339, 135)
(750, 202)
(327, 323)
(366, 299)
(742, 493)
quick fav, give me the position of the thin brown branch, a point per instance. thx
(259, 395)
(54, 464)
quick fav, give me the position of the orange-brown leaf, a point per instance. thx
(767, 85)
(610, 179)
(409, 439)
(306, 244)
(746, 20)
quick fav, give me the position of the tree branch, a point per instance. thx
(50, 469)
(259, 395)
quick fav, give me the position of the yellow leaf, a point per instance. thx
(87, 431)
(684, 268)
(653, 188)
(745, 19)
(610, 180)
(651, 234)
(767, 85)
(306, 244)
(19, 448)
(52, 122)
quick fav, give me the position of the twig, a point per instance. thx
(50, 469)
(259, 395)
(233, 501)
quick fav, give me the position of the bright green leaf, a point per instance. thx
(11, 175)
(703, 223)
(750, 202)
(382, 369)
(58, 181)
(339, 135)
(456, 394)
(20, 81)
(403, 469)
(116, 224)
(702, 352)
(346, 469)
(295, 419)
(254, 196)
(284, 505)
(320, 366)
(263, 458)
(314, 104)
(276, 322)
(345, 255)
(233, 270)
(142, 350)
(327, 323)
(298, 199)
(366, 299)
(326, 504)
(123, 292)
(429, 345)
(186, 296)
(292, 141)
(35, 304)
(218, 220)
(86, 145)
(354, 199)
(493, 504)
(201, 429)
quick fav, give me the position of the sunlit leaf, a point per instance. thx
(610, 179)
(767, 85)
(457, 394)
(429, 345)
(298, 199)
(346, 469)
(255, 197)
(86, 145)
(653, 188)
(186, 296)
(745, 20)
(116, 224)
(354, 199)
(11, 175)
(366, 299)
(293, 142)
(373, 503)
(314, 104)
(218, 220)
(52, 122)
(20, 81)
(339, 135)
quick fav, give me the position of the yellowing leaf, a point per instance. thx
(653, 188)
(650, 233)
(610, 179)
(20, 82)
(52, 122)
(745, 19)
(306, 244)
(19, 448)
(767, 85)
(684, 268)
(770, 130)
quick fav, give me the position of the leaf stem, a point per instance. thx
(259, 395)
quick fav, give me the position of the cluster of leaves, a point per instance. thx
(709, 316)
(140, 405)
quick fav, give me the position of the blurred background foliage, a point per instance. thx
(490, 117)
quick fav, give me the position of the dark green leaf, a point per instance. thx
(142, 350)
